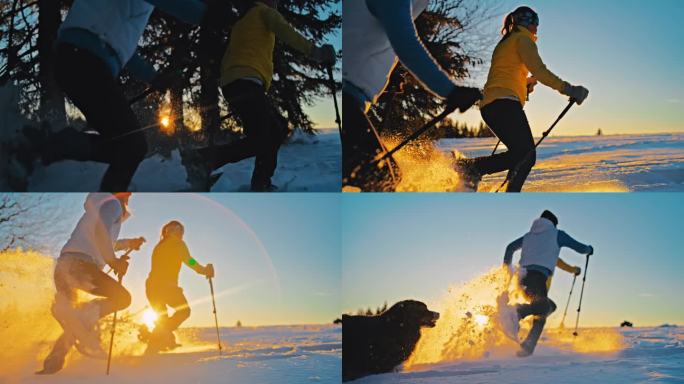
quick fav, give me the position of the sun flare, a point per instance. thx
(149, 317)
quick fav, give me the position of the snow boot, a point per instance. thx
(469, 173)
(508, 318)
(81, 325)
(263, 187)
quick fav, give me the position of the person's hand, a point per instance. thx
(462, 98)
(531, 83)
(577, 271)
(209, 271)
(591, 251)
(576, 92)
(119, 265)
(136, 243)
(324, 54)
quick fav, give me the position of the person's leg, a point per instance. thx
(540, 307)
(89, 278)
(91, 87)
(360, 145)
(176, 300)
(508, 121)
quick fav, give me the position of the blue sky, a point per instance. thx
(276, 257)
(626, 52)
(404, 246)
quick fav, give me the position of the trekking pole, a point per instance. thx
(414, 135)
(579, 307)
(565, 313)
(111, 337)
(213, 303)
(544, 134)
(338, 120)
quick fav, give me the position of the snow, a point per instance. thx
(305, 164)
(615, 163)
(649, 355)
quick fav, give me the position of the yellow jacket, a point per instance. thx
(167, 258)
(513, 60)
(250, 50)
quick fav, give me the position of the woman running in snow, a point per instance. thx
(507, 88)
(539, 257)
(162, 287)
(79, 268)
(96, 41)
(377, 33)
(246, 75)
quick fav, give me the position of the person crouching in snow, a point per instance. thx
(377, 34)
(79, 267)
(505, 93)
(539, 256)
(246, 75)
(162, 287)
(96, 41)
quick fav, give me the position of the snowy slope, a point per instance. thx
(305, 164)
(653, 355)
(618, 163)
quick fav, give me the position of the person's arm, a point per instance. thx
(511, 248)
(276, 23)
(397, 20)
(192, 263)
(110, 213)
(564, 240)
(567, 267)
(527, 49)
(126, 244)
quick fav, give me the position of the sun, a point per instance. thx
(165, 121)
(149, 317)
(482, 319)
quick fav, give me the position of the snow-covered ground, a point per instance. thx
(276, 354)
(618, 163)
(305, 164)
(653, 355)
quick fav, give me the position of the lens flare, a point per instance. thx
(149, 318)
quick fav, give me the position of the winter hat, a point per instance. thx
(525, 16)
(550, 216)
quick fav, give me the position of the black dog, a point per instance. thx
(377, 344)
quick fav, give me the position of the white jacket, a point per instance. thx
(368, 57)
(83, 238)
(540, 245)
(119, 23)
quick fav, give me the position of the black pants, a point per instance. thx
(540, 306)
(360, 144)
(89, 83)
(264, 132)
(509, 122)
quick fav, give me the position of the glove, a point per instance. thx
(578, 270)
(324, 54)
(576, 92)
(462, 98)
(531, 83)
(119, 266)
(136, 243)
(217, 15)
(591, 251)
(209, 271)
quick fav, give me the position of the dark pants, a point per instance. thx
(263, 128)
(89, 83)
(161, 297)
(509, 122)
(540, 306)
(73, 274)
(360, 144)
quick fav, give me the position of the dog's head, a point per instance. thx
(411, 313)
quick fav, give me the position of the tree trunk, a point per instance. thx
(210, 46)
(52, 107)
